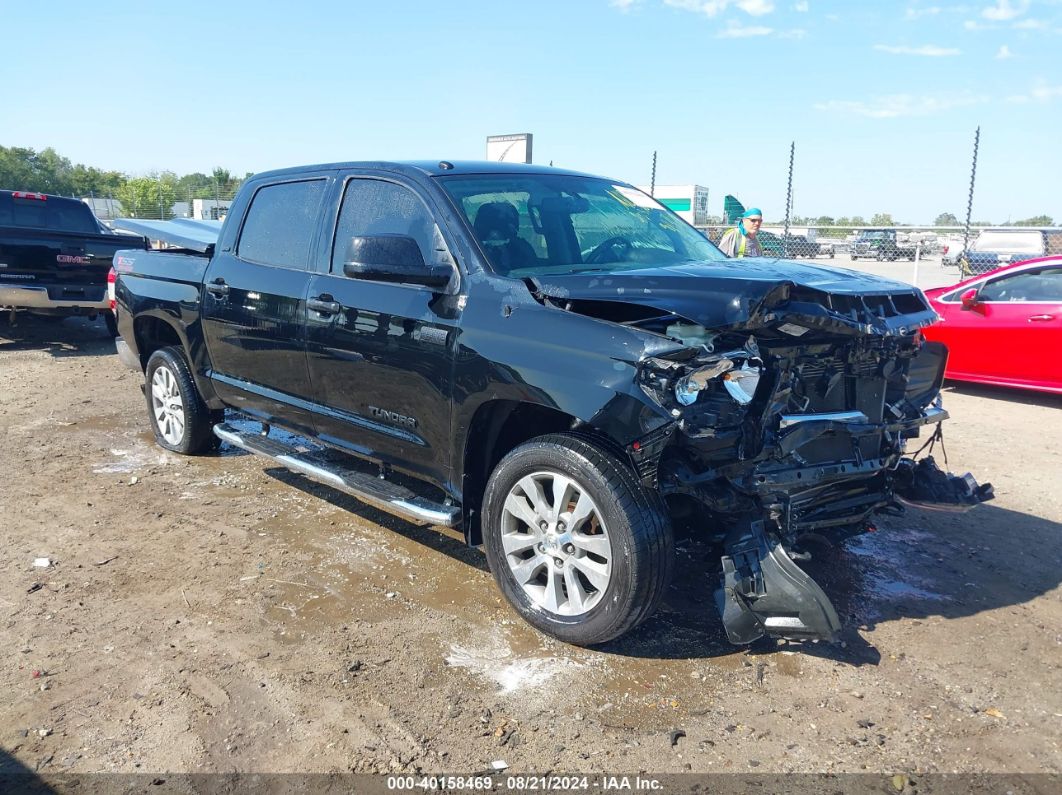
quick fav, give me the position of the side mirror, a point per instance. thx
(969, 298)
(393, 258)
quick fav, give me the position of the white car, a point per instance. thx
(951, 248)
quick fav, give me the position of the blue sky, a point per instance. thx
(881, 98)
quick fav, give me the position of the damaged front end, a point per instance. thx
(793, 422)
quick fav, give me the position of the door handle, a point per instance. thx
(218, 288)
(1035, 318)
(324, 305)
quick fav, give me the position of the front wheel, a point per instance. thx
(179, 417)
(577, 546)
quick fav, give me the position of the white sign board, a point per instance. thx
(509, 148)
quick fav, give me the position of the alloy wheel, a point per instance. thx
(167, 405)
(556, 544)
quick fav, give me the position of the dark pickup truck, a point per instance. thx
(556, 364)
(881, 244)
(55, 256)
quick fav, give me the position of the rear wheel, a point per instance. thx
(179, 417)
(577, 546)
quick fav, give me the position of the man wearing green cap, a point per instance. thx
(741, 240)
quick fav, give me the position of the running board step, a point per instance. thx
(373, 490)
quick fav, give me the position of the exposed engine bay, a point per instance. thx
(795, 420)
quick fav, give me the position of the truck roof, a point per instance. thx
(431, 168)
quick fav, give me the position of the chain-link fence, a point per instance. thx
(984, 249)
(160, 199)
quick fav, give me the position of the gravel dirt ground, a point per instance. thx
(216, 614)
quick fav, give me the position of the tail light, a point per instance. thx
(112, 277)
(946, 249)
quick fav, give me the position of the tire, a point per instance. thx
(591, 582)
(881, 256)
(111, 322)
(174, 401)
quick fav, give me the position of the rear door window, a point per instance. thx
(280, 224)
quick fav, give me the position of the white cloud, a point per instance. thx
(896, 106)
(1005, 10)
(1004, 53)
(624, 5)
(736, 31)
(917, 13)
(926, 50)
(801, 7)
(712, 8)
(792, 33)
(1042, 93)
(756, 8)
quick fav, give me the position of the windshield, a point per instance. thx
(1009, 242)
(537, 224)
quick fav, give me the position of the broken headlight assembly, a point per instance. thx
(737, 372)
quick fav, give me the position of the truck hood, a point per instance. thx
(719, 294)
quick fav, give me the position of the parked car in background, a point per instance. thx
(827, 247)
(55, 255)
(1004, 327)
(800, 246)
(771, 244)
(951, 249)
(995, 247)
(881, 244)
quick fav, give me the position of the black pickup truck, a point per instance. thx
(881, 244)
(55, 256)
(556, 364)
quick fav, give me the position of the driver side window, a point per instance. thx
(374, 207)
(1035, 285)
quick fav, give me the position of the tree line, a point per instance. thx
(153, 195)
(149, 196)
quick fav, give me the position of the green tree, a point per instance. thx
(947, 219)
(882, 219)
(49, 172)
(149, 197)
(1036, 220)
(16, 172)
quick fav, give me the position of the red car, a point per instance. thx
(1004, 327)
